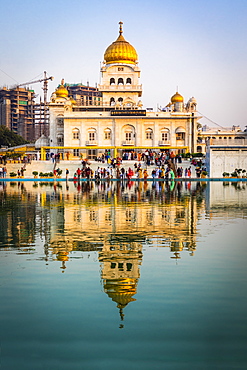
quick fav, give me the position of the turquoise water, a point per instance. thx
(123, 276)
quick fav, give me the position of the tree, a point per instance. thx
(9, 138)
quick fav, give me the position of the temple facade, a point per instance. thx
(114, 119)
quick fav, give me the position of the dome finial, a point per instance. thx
(120, 28)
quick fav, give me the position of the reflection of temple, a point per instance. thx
(93, 219)
(116, 221)
(17, 218)
(120, 272)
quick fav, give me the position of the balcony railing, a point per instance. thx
(164, 142)
(128, 142)
(227, 142)
(91, 142)
(120, 87)
(180, 142)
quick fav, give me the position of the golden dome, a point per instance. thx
(61, 91)
(73, 101)
(177, 98)
(120, 51)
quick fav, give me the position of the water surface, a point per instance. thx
(123, 275)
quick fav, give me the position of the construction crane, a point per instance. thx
(45, 86)
(45, 89)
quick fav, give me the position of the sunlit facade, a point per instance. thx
(115, 116)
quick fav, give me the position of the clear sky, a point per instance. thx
(199, 46)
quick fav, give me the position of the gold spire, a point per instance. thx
(120, 51)
(120, 28)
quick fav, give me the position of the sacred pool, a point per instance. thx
(123, 275)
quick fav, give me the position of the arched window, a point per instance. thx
(76, 133)
(92, 134)
(120, 81)
(128, 81)
(112, 101)
(149, 133)
(60, 122)
(180, 133)
(129, 133)
(120, 100)
(165, 134)
(112, 81)
(107, 133)
(60, 140)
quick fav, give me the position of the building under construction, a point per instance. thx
(84, 95)
(21, 114)
(17, 111)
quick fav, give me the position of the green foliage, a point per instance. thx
(35, 173)
(193, 155)
(13, 174)
(46, 174)
(197, 155)
(9, 138)
(185, 155)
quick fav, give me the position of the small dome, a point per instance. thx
(42, 141)
(177, 98)
(61, 91)
(73, 101)
(120, 51)
(193, 100)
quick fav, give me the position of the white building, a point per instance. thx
(117, 121)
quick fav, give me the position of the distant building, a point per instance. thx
(226, 155)
(91, 120)
(84, 95)
(17, 111)
(223, 135)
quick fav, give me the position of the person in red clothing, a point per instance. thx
(78, 172)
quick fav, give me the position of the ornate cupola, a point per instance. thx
(120, 75)
(120, 51)
(61, 91)
(177, 101)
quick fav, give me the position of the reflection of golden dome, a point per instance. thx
(61, 91)
(177, 98)
(121, 291)
(120, 51)
(62, 256)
